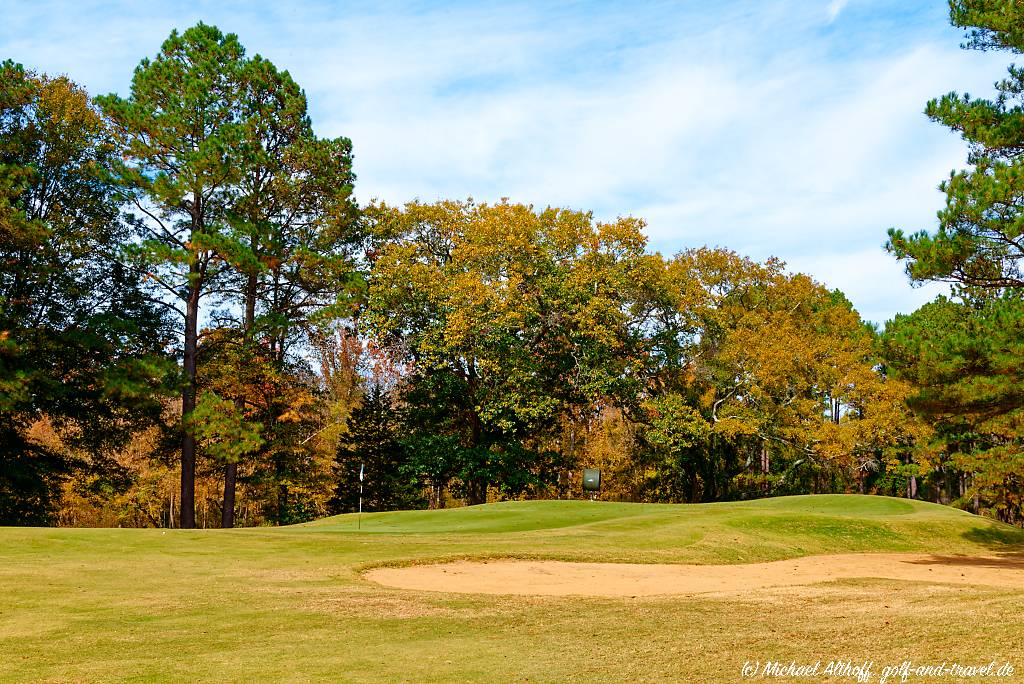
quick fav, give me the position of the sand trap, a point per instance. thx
(553, 578)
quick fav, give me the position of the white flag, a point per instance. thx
(360, 472)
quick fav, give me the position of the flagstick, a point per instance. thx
(359, 518)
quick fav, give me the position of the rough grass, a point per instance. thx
(289, 604)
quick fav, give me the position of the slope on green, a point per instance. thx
(289, 604)
(764, 529)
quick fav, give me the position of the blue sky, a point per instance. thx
(791, 128)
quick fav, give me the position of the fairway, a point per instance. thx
(292, 604)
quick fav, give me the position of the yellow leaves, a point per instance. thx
(626, 234)
(489, 268)
(300, 400)
(65, 107)
(876, 419)
(732, 428)
(776, 355)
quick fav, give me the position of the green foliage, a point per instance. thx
(222, 429)
(292, 223)
(675, 425)
(991, 24)
(964, 358)
(182, 136)
(373, 444)
(30, 478)
(978, 239)
(79, 342)
(682, 456)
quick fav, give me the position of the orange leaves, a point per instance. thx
(782, 357)
(271, 262)
(299, 403)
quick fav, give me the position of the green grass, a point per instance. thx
(289, 604)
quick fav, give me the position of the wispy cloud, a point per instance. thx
(835, 8)
(752, 126)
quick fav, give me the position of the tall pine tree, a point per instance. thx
(183, 145)
(980, 239)
(292, 227)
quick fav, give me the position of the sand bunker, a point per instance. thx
(553, 578)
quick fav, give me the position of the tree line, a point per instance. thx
(199, 326)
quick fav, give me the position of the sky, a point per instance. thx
(788, 128)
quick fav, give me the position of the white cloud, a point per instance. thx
(872, 275)
(835, 8)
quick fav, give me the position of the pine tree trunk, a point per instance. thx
(188, 404)
(227, 516)
(231, 469)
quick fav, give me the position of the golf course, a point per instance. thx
(300, 603)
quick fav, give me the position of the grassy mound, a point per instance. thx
(766, 529)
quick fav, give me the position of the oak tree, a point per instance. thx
(81, 347)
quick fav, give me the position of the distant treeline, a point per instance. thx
(200, 327)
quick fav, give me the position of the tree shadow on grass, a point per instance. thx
(998, 537)
(1007, 560)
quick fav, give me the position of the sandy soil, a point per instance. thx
(553, 578)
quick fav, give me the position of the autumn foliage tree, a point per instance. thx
(767, 382)
(506, 317)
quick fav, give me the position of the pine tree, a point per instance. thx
(964, 359)
(292, 227)
(979, 238)
(372, 445)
